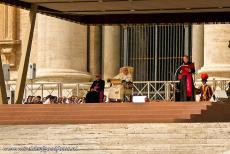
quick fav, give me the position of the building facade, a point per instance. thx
(69, 52)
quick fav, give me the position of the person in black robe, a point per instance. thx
(187, 69)
(96, 93)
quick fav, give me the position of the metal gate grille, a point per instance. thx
(155, 51)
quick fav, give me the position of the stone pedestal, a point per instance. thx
(111, 50)
(62, 51)
(198, 46)
(216, 50)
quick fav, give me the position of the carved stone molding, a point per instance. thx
(8, 38)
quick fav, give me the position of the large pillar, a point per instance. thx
(62, 51)
(95, 49)
(216, 50)
(8, 43)
(198, 45)
(111, 51)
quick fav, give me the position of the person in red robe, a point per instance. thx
(186, 71)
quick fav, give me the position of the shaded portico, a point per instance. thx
(110, 12)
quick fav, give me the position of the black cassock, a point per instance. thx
(96, 94)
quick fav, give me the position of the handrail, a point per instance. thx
(154, 90)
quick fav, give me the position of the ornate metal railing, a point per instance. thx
(154, 90)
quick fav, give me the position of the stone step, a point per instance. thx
(99, 106)
(146, 108)
(173, 112)
(109, 108)
(97, 112)
(100, 113)
(173, 138)
(217, 112)
(86, 121)
(95, 117)
(162, 103)
(105, 106)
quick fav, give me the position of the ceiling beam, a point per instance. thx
(42, 10)
(162, 18)
(131, 18)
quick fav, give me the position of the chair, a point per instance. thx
(121, 90)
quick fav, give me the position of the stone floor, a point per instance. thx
(183, 138)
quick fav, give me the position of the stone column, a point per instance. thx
(198, 46)
(62, 51)
(216, 50)
(111, 51)
(8, 34)
(95, 49)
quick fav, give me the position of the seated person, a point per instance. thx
(118, 91)
(37, 100)
(29, 100)
(96, 93)
(205, 90)
(47, 99)
(124, 75)
(228, 90)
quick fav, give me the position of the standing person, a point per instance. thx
(186, 71)
(98, 88)
(205, 90)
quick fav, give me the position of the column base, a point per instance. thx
(217, 71)
(62, 75)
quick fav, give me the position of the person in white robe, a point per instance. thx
(118, 91)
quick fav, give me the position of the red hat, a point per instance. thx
(204, 76)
